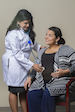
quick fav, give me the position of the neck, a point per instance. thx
(52, 48)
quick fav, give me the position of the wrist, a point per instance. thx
(33, 66)
(67, 71)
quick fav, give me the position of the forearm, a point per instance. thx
(67, 71)
(60, 73)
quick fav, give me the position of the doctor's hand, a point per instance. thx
(43, 47)
(27, 83)
(37, 68)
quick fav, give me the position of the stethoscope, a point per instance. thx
(29, 42)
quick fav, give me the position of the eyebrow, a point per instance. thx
(27, 22)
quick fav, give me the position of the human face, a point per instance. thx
(50, 38)
(25, 24)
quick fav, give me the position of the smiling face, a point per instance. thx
(24, 24)
(50, 38)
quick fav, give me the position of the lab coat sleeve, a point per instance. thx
(36, 47)
(14, 43)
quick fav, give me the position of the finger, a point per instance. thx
(25, 86)
(52, 73)
(39, 65)
(57, 70)
(40, 70)
(29, 84)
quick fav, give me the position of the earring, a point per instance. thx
(56, 42)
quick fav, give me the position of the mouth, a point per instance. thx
(47, 40)
(26, 28)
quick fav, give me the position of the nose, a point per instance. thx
(27, 24)
(46, 36)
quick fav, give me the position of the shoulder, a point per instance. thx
(66, 47)
(66, 50)
(19, 34)
(41, 51)
(12, 33)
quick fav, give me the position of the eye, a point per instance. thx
(50, 35)
(29, 22)
(26, 23)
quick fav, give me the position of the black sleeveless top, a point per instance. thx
(47, 62)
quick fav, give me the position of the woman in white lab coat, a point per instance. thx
(16, 63)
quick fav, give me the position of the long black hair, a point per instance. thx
(21, 16)
(58, 32)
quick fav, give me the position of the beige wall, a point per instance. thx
(46, 13)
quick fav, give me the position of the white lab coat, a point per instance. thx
(16, 63)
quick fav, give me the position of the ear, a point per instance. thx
(57, 39)
(18, 22)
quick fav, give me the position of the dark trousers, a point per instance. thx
(40, 101)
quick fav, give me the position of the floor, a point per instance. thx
(58, 109)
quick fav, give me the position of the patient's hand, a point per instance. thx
(27, 83)
(60, 73)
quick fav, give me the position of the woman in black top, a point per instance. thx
(59, 63)
(45, 59)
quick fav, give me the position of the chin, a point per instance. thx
(47, 43)
(26, 30)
